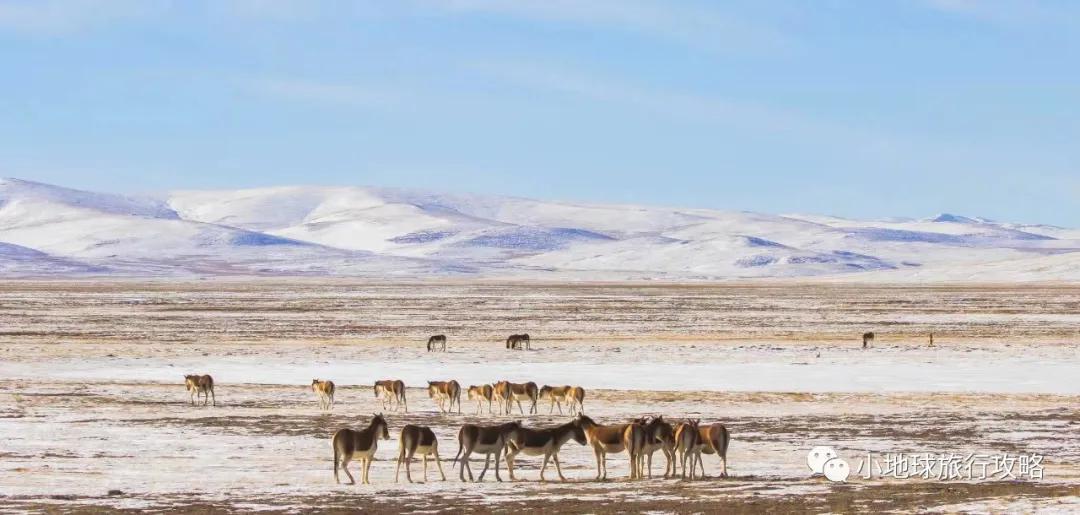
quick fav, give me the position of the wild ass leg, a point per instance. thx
(345, 467)
(487, 461)
(544, 466)
(510, 455)
(558, 467)
(497, 478)
(438, 463)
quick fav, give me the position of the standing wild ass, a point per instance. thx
(613, 439)
(443, 391)
(484, 392)
(349, 444)
(556, 394)
(392, 391)
(514, 392)
(714, 440)
(576, 398)
(417, 439)
(486, 440)
(200, 385)
(659, 435)
(688, 445)
(543, 442)
(325, 391)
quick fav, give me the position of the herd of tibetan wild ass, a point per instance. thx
(682, 443)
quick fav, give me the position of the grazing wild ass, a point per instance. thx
(556, 394)
(688, 445)
(518, 342)
(613, 439)
(484, 392)
(486, 440)
(360, 445)
(200, 385)
(437, 342)
(417, 439)
(514, 392)
(325, 391)
(392, 392)
(543, 442)
(659, 435)
(443, 391)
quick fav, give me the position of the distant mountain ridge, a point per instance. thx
(49, 230)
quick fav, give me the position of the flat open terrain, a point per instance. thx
(93, 412)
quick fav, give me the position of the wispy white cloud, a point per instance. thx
(66, 16)
(319, 92)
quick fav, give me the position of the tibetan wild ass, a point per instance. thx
(659, 435)
(486, 440)
(867, 338)
(417, 439)
(325, 391)
(200, 385)
(437, 342)
(688, 445)
(576, 398)
(361, 445)
(613, 439)
(714, 440)
(392, 391)
(543, 442)
(443, 391)
(484, 392)
(556, 394)
(518, 342)
(514, 392)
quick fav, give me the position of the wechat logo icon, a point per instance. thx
(824, 460)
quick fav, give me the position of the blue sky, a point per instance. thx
(852, 108)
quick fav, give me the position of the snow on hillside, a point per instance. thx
(16, 260)
(387, 231)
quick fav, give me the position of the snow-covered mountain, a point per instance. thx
(49, 230)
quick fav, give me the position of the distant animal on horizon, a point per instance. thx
(443, 391)
(417, 439)
(200, 384)
(325, 391)
(867, 338)
(437, 342)
(392, 392)
(349, 444)
(519, 342)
